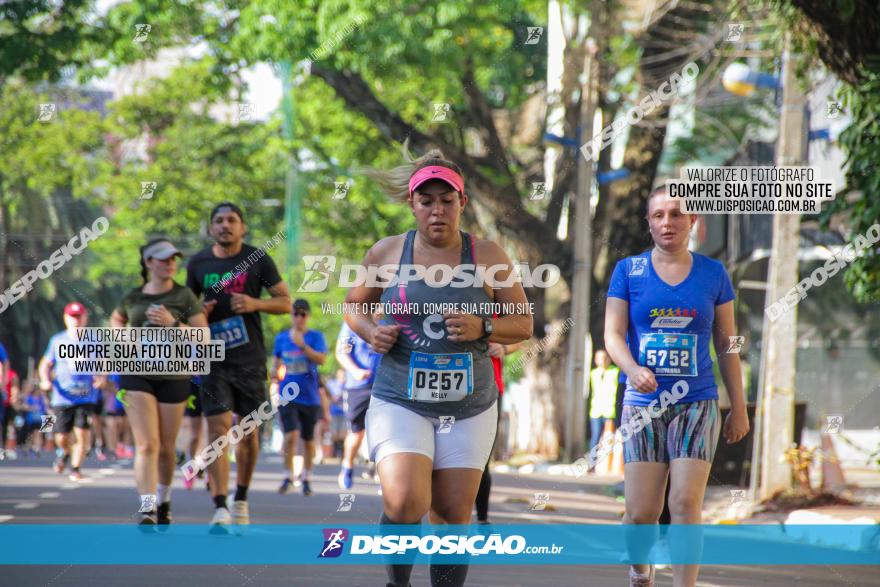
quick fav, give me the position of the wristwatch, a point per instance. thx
(487, 327)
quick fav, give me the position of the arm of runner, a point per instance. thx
(515, 327)
(736, 425)
(279, 303)
(313, 355)
(117, 319)
(616, 325)
(380, 337)
(347, 363)
(45, 372)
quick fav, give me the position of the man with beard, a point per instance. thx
(232, 275)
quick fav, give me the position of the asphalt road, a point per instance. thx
(31, 493)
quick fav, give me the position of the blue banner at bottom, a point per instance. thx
(550, 544)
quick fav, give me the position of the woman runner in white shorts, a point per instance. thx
(432, 417)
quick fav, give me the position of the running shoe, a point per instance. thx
(99, 454)
(75, 476)
(345, 480)
(59, 466)
(221, 521)
(240, 514)
(639, 580)
(163, 513)
(307, 487)
(148, 519)
(285, 485)
(188, 483)
(120, 451)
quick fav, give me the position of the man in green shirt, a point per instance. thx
(603, 391)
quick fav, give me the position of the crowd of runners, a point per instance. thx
(423, 391)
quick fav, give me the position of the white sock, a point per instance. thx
(306, 474)
(163, 493)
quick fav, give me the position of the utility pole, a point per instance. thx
(292, 185)
(780, 337)
(581, 344)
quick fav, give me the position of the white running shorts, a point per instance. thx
(467, 443)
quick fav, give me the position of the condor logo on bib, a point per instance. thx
(671, 321)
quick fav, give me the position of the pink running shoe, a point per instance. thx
(188, 483)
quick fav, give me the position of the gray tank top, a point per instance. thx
(426, 333)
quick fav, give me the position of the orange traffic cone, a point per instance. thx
(832, 472)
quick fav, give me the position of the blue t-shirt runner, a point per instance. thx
(363, 356)
(68, 388)
(297, 366)
(670, 327)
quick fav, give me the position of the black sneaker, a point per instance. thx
(285, 486)
(163, 513)
(307, 487)
(148, 519)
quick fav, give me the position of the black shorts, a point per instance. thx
(167, 391)
(356, 403)
(99, 408)
(237, 388)
(79, 416)
(196, 411)
(299, 417)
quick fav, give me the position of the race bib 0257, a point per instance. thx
(440, 377)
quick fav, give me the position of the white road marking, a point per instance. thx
(5, 518)
(49, 495)
(26, 505)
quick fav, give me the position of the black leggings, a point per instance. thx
(8, 416)
(482, 501)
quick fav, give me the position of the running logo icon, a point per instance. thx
(540, 504)
(245, 111)
(539, 190)
(833, 424)
(334, 541)
(47, 423)
(341, 189)
(142, 31)
(148, 190)
(318, 271)
(346, 500)
(533, 34)
(736, 344)
(47, 112)
(734, 32)
(441, 110)
(446, 423)
(638, 266)
(148, 503)
(834, 110)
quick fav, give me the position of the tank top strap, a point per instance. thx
(468, 254)
(406, 255)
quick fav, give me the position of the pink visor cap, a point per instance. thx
(436, 172)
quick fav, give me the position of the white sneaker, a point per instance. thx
(639, 580)
(221, 521)
(240, 514)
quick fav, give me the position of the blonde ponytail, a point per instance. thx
(395, 181)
